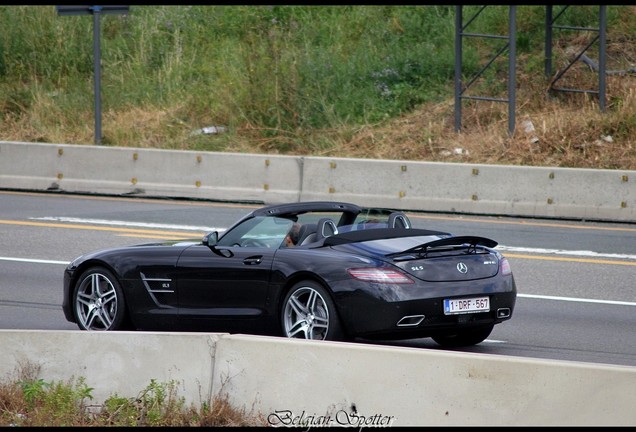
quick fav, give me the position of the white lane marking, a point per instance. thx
(130, 224)
(579, 300)
(31, 260)
(583, 253)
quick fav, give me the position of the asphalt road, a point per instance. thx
(576, 279)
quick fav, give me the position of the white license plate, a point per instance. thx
(466, 305)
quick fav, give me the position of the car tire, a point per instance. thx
(464, 338)
(98, 301)
(308, 312)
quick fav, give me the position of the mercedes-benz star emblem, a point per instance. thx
(462, 268)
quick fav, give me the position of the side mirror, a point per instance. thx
(211, 239)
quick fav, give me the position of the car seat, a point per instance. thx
(307, 234)
(326, 227)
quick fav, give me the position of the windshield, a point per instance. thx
(260, 231)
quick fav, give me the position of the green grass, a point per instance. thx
(277, 68)
(309, 80)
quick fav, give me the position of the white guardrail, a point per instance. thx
(409, 185)
(314, 383)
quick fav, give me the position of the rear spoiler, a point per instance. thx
(468, 242)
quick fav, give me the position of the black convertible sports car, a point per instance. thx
(313, 270)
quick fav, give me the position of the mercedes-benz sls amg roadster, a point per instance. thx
(314, 270)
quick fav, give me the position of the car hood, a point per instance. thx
(123, 251)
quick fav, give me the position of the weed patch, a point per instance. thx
(27, 400)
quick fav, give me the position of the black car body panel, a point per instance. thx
(383, 279)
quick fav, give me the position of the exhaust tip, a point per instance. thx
(503, 312)
(410, 320)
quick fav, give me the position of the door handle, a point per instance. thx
(253, 260)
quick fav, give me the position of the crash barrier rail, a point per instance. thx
(590, 194)
(291, 382)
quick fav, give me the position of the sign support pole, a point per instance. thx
(98, 73)
(96, 11)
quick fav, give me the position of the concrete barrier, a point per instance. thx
(149, 172)
(310, 383)
(474, 188)
(408, 185)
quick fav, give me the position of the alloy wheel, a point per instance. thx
(96, 302)
(306, 315)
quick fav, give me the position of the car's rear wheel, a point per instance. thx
(308, 312)
(464, 337)
(98, 301)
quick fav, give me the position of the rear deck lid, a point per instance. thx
(460, 258)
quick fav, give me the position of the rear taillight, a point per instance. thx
(504, 267)
(380, 275)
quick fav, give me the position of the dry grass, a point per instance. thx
(564, 130)
(567, 131)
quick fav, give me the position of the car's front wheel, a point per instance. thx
(464, 338)
(98, 301)
(308, 312)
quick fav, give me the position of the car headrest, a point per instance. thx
(399, 220)
(326, 227)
